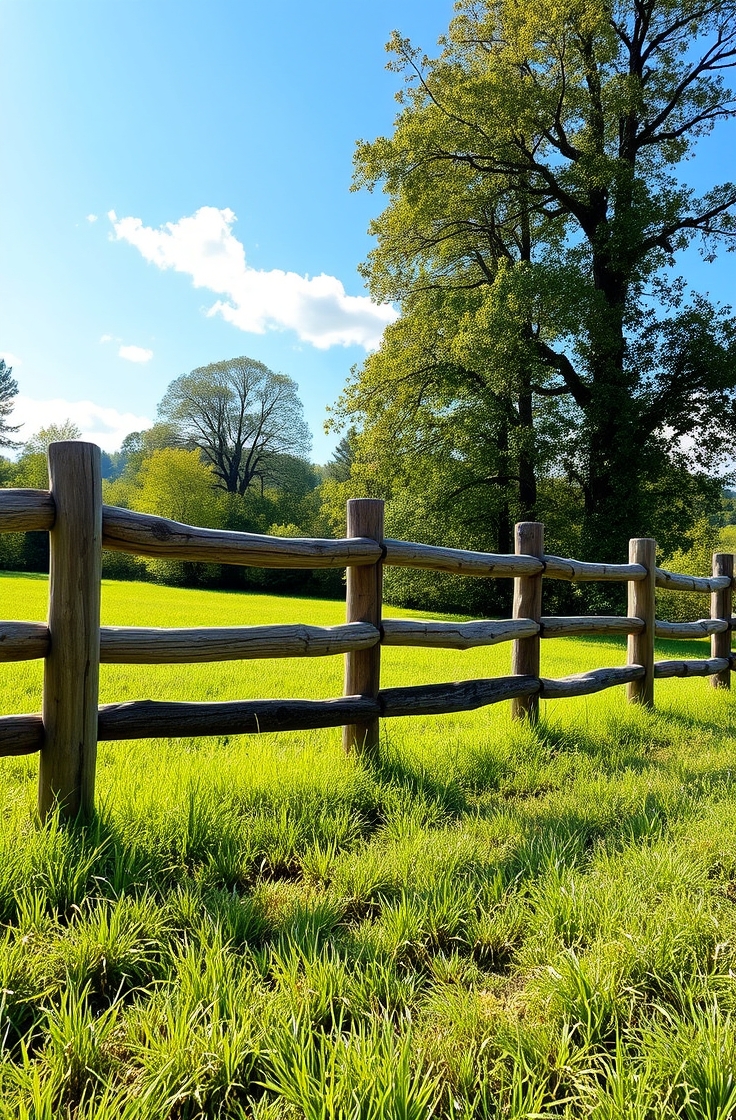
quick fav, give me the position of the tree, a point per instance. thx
(176, 483)
(339, 467)
(241, 416)
(39, 443)
(8, 392)
(430, 394)
(532, 174)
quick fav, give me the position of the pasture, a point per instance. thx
(489, 921)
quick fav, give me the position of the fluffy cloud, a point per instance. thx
(135, 353)
(104, 426)
(10, 359)
(256, 300)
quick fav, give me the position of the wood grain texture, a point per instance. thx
(455, 635)
(529, 541)
(363, 603)
(20, 735)
(71, 673)
(564, 626)
(702, 667)
(160, 719)
(129, 645)
(643, 551)
(146, 535)
(463, 562)
(558, 567)
(721, 605)
(26, 511)
(23, 641)
(585, 684)
(690, 630)
(673, 581)
(457, 696)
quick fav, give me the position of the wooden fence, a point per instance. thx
(73, 643)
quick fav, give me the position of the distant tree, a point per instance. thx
(32, 467)
(176, 483)
(8, 391)
(53, 433)
(241, 416)
(137, 446)
(338, 468)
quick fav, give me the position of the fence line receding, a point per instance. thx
(73, 644)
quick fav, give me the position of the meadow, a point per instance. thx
(487, 921)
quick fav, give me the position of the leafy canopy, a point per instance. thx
(241, 416)
(535, 206)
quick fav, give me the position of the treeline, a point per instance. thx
(229, 451)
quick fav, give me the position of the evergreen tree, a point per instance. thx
(8, 391)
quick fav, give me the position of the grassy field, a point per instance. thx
(491, 921)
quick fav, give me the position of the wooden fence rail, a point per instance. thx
(73, 644)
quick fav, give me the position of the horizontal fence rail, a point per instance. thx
(121, 645)
(143, 645)
(26, 511)
(146, 535)
(73, 643)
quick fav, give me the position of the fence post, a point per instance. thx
(642, 550)
(71, 671)
(720, 607)
(363, 604)
(528, 541)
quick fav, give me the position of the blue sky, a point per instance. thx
(175, 190)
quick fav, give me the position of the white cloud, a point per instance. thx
(256, 300)
(10, 359)
(91, 217)
(107, 338)
(101, 425)
(135, 353)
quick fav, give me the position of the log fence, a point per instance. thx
(73, 644)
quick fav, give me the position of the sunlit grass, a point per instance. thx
(490, 921)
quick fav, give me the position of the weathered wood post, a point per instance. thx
(71, 676)
(642, 550)
(528, 541)
(364, 599)
(720, 607)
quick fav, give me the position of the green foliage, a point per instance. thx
(696, 559)
(534, 204)
(164, 470)
(53, 433)
(243, 418)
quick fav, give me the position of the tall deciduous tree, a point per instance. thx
(535, 163)
(8, 392)
(241, 416)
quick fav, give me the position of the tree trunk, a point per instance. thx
(612, 478)
(503, 516)
(527, 474)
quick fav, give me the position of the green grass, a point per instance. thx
(491, 921)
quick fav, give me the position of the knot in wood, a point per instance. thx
(161, 531)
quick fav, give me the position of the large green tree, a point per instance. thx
(241, 416)
(533, 175)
